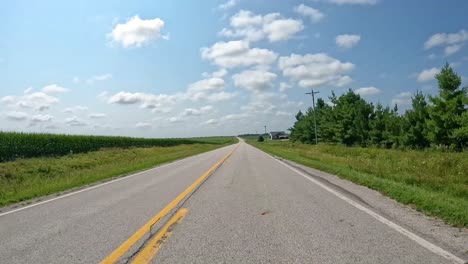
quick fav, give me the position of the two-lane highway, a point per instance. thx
(252, 209)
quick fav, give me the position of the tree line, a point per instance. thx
(433, 121)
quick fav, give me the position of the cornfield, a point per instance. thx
(27, 145)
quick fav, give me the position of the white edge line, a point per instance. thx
(419, 240)
(103, 184)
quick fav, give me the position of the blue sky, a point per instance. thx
(201, 68)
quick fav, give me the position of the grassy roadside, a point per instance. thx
(24, 179)
(432, 182)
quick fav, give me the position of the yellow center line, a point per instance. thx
(125, 246)
(152, 248)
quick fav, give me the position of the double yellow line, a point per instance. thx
(125, 246)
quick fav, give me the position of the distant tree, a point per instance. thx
(378, 126)
(352, 116)
(415, 123)
(260, 139)
(303, 129)
(447, 111)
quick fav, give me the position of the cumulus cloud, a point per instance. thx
(211, 122)
(283, 113)
(252, 27)
(39, 101)
(312, 70)
(353, 2)
(175, 119)
(237, 53)
(446, 39)
(363, 91)
(228, 5)
(254, 80)
(157, 103)
(8, 100)
(313, 14)
(54, 89)
(41, 118)
(137, 32)
(211, 89)
(347, 41)
(16, 116)
(402, 99)
(75, 109)
(143, 125)
(284, 86)
(97, 115)
(75, 121)
(197, 112)
(427, 75)
(449, 50)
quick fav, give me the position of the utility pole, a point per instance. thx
(265, 129)
(312, 92)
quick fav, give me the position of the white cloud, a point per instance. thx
(446, 39)
(427, 75)
(282, 113)
(402, 99)
(42, 118)
(237, 53)
(9, 99)
(232, 117)
(211, 122)
(363, 91)
(28, 90)
(137, 32)
(54, 89)
(221, 96)
(251, 27)
(103, 95)
(278, 29)
(97, 115)
(219, 73)
(75, 121)
(313, 14)
(229, 4)
(175, 119)
(75, 109)
(143, 125)
(197, 112)
(449, 50)
(312, 70)
(98, 78)
(39, 101)
(17, 116)
(353, 2)
(254, 80)
(347, 41)
(284, 86)
(211, 89)
(155, 102)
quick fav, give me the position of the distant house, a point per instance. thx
(278, 135)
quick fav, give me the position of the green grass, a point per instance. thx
(24, 179)
(433, 182)
(28, 145)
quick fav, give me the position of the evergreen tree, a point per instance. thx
(416, 130)
(447, 110)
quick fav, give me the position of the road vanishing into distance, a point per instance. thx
(236, 204)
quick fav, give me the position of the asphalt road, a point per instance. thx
(252, 209)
